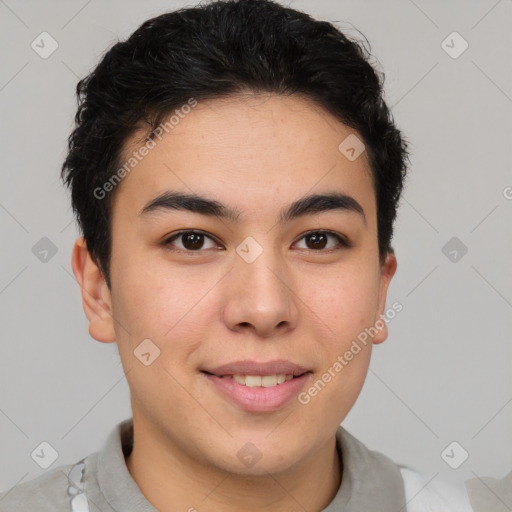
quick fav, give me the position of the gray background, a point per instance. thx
(443, 375)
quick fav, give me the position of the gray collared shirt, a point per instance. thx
(101, 481)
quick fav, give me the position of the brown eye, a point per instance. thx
(196, 241)
(319, 240)
(191, 241)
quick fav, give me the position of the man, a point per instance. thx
(235, 173)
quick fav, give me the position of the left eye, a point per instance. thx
(318, 240)
(193, 241)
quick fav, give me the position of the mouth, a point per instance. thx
(258, 387)
(257, 381)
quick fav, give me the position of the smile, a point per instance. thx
(258, 393)
(265, 381)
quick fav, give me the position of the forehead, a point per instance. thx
(250, 149)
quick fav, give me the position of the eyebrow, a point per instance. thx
(309, 205)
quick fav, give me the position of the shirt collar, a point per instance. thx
(370, 481)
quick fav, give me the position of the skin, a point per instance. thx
(256, 153)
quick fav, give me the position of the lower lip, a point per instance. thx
(259, 399)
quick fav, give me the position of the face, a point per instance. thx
(245, 286)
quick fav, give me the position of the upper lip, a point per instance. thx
(248, 367)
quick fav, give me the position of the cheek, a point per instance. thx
(147, 308)
(166, 308)
(348, 309)
(142, 294)
(346, 305)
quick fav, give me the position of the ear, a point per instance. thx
(387, 272)
(96, 298)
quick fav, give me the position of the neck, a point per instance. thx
(170, 481)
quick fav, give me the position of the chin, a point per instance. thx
(258, 459)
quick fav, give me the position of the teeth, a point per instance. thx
(252, 380)
(239, 378)
(266, 381)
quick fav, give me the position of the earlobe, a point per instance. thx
(96, 299)
(388, 270)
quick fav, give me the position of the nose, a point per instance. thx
(261, 296)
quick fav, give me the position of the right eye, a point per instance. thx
(190, 240)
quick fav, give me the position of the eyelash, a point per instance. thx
(343, 243)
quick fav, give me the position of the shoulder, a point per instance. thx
(433, 494)
(52, 491)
